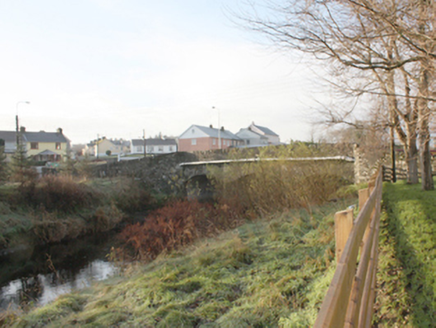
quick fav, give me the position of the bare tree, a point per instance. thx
(391, 44)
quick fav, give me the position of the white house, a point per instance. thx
(252, 139)
(153, 146)
(273, 138)
(103, 146)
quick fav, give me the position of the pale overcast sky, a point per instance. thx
(116, 67)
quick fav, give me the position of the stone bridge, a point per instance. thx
(198, 185)
(182, 172)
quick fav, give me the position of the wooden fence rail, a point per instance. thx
(350, 297)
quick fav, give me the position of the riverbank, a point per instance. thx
(60, 208)
(264, 273)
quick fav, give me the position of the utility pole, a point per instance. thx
(17, 128)
(219, 128)
(143, 138)
(97, 142)
(17, 125)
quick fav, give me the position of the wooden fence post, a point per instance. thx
(363, 197)
(343, 226)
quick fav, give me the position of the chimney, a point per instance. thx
(211, 126)
(222, 128)
(22, 129)
(59, 130)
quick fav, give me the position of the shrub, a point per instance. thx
(130, 196)
(59, 193)
(270, 186)
(176, 224)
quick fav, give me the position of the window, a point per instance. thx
(160, 148)
(33, 145)
(171, 148)
(138, 149)
(58, 145)
(193, 142)
(192, 131)
(214, 141)
(151, 148)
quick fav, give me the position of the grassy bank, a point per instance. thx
(407, 265)
(56, 208)
(270, 272)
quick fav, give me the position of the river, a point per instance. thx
(38, 275)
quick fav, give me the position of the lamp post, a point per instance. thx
(219, 128)
(17, 127)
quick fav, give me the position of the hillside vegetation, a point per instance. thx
(56, 208)
(266, 273)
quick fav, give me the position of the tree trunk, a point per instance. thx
(411, 157)
(423, 127)
(425, 156)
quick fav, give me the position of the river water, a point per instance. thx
(37, 276)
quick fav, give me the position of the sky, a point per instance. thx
(116, 68)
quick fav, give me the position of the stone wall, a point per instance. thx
(160, 173)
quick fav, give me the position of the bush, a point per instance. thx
(266, 187)
(59, 193)
(130, 196)
(177, 224)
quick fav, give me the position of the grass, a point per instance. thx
(407, 263)
(266, 273)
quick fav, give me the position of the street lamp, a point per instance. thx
(219, 128)
(16, 120)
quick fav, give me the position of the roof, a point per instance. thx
(212, 132)
(8, 136)
(245, 132)
(265, 130)
(44, 137)
(154, 142)
(120, 142)
(47, 152)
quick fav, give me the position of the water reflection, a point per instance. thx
(40, 275)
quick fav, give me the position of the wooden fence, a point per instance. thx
(350, 297)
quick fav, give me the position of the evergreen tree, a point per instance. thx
(21, 170)
(3, 165)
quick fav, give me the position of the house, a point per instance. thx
(41, 146)
(153, 146)
(273, 138)
(251, 138)
(103, 146)
(200, 138)
(10, 143)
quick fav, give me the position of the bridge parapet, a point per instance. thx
(191, 169)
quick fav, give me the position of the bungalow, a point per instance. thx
(153, 146)
(273, 138)
(200, 138)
